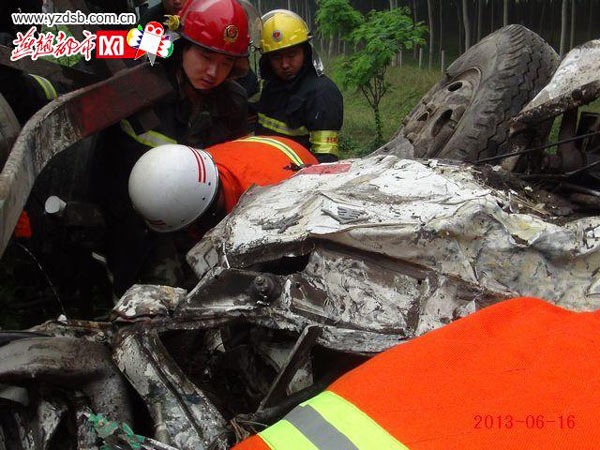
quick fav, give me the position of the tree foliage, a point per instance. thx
(337, 16)
(377, 38)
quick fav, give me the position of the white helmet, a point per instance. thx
(170, 186)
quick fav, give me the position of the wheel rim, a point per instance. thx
(436, 118)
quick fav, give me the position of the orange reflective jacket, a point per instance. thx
(521, 374)
(257, 160)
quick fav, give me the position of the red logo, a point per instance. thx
(230, 34)
(277, 36)
(113, 44)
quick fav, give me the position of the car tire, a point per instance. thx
(466, 115)
(9, 130)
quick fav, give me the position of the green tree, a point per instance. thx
(376, 38)
(337, 16)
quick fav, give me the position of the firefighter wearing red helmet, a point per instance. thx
(207, 107)
(220, 26)
(203, 24)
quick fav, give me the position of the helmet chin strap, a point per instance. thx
(317, 62)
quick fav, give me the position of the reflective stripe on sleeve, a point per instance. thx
(46, 86)
(280, 127)
(328, 422)
(320, 432)
(324, 141)
(149, 138)
(363, 431)
(285, 149)
(285, 436)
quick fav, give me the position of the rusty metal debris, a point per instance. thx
(297, 357)
(574, 84)
(182, 414)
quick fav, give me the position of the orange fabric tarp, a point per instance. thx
(244, 163)
(521, 374)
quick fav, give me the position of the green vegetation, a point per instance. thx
(376, 38)
(63, 60)
(592, 107)
(407, 84)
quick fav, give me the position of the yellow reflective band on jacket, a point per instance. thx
(280, 127)
(285, 436)
(324, 141)
(285, 149)
(328, 422)
(46, 86)
(149, 138)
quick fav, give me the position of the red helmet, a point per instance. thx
(218, 25)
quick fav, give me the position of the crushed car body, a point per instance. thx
(403, 246)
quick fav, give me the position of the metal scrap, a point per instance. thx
(574, 83)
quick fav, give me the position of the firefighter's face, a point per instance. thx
(172, 6)
(206, 69)
(287, 63)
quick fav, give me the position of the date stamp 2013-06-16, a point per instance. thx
(529, 421)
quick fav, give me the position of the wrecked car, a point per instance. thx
(349, 259)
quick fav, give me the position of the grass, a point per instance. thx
(408, 84)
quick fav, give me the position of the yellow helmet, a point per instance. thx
(281, 29)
